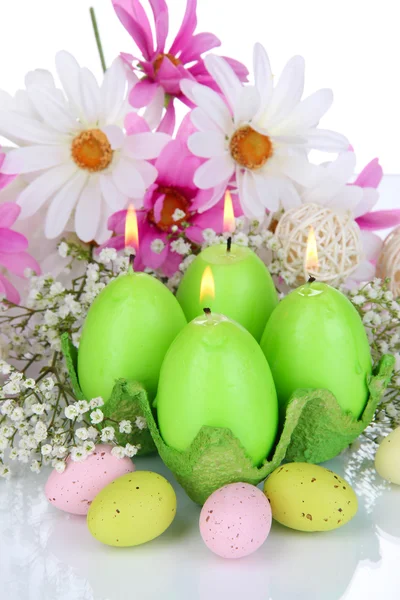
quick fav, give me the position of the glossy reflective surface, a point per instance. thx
(48, 555)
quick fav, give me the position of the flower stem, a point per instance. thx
(98, 40)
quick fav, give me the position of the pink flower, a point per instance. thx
(12, 251)
(370, 178)
(170, 212)
(4, 179)
(164, 69)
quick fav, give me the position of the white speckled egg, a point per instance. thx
(74, 490)
(387, 458)
(235, 520)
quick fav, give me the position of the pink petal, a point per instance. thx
(171, 263)
(213, 219)
(170, 76)
(11, 241)
(158, 206)
(152, 259)
(202, 42)
(117, 242)
(18, 262)
(371, 175)
(176, 165)
(186, 128)
(135, 124)
(9, 212)
(160, 12)
(187, 28)
(142, 93)
(117, 221)
(5, 180)
(167, 124)
(381, 219)
(239, 68)
(135, 9)
(136, 31)
(8, 290)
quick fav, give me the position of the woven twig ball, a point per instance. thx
(338, 243)
(389, 261)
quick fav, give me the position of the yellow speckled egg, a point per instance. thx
(387, 458)
(310, 498)
(132, 510)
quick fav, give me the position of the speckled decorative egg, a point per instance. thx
(387, 458)
(235, 520)
(310, 498)
(132, 510)
(75, 488)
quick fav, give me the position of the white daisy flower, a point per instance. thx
(331, 189)
(260, 134)
(72, 145)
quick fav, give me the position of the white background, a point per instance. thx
(351, 46)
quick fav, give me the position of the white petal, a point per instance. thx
(288, 91)
(68, 71)
(262, 74)
(369, 199)
(207, 144)
(103, 233)
(32, 198)
(288, 194)
(215, 197)
(201, 121)
(34, 158)
(147, 171)
(372, 244)
(113, 197)
(40, 77)
(299, 169)
(88, 211)
(248, 196)
(323, 139)
(187, 88)
(21, 127)
(364, 272)
(348, 198)
(307, 113)
(90, 94)
(128, 179)
(113, 91)
(53, 112)
(146, 145)
(225, 77)
(115, 136)
(268, 190)
(6, 101)
(247, 105)
(342, 168)
(214, 171)
(154, 110)
(63, 203)
(214, 107)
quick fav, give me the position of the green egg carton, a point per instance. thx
(316, 429)
(123, 403)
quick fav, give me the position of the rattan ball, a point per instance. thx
(338, 243)
(389, 261)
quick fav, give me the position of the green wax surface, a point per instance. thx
(316, 339)
(215, 374)
(244, 290)
(127, 332)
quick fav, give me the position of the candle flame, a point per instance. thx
(207, 287)
(131, 228)
(229, 217)
(311, 262)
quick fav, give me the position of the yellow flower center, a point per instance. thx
(158, 61)
(173, 201)
(91, 150)
(249, 148)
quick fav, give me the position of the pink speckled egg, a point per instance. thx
(235, 520)
(75, 488)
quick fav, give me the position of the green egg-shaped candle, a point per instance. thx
(316, 339)
(244, 290)
(215, 374)
(127, 332)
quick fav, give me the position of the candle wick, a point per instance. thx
(207, 312)
(311, 279)
(131, 259)
(229, 244)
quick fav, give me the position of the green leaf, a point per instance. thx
(316, 429)
(123, 404)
